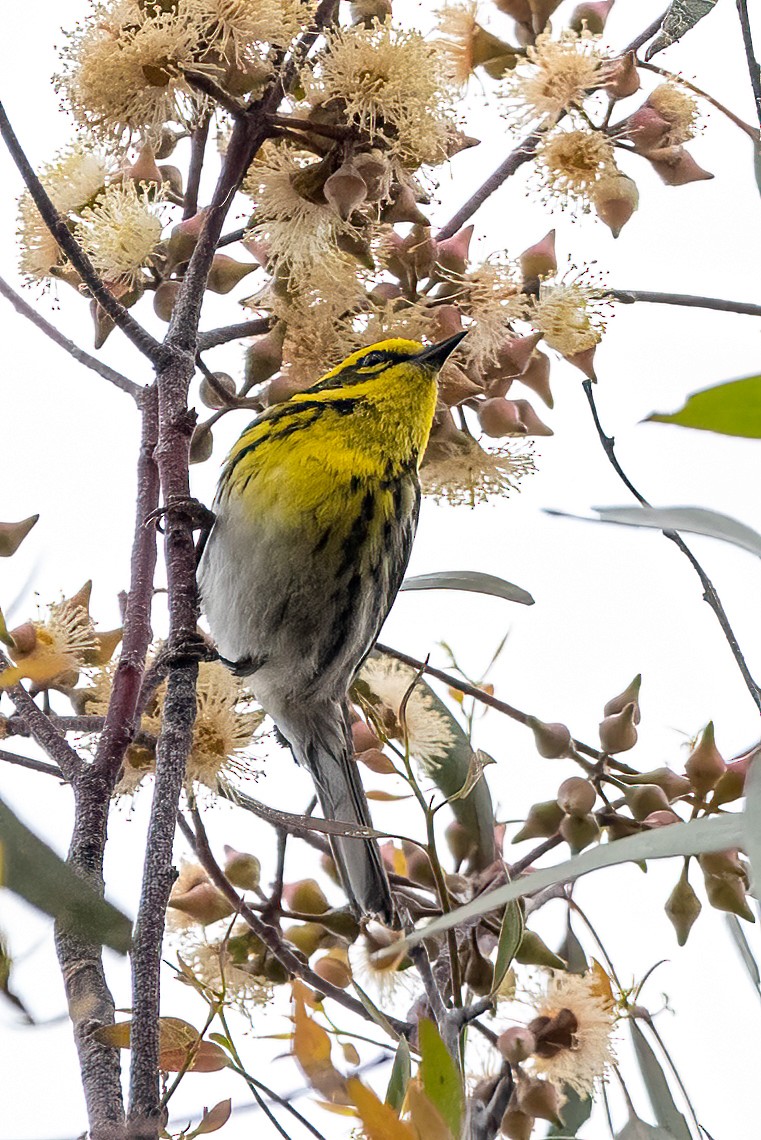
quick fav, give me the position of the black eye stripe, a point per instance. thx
(372, 359)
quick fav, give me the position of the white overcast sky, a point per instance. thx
(609, 602)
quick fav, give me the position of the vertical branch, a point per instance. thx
(753, 68)
(197, 149)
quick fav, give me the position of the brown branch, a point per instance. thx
(233, 236)
(640, 40)
(753, 67)
(142, 339)
(270, 935)
(206, 85)
(524, 152)
(122, 718)
(26, 310)
(686, 300)
(214, 337)
(44, 731)
(709, 590)
(30, 763)
(197, 150)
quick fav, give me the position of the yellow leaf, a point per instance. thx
(386, 797)
(601, 985)
(115, 1035)
(379, 1119)
(311, 1047)
(428, 1121)
(206, 1058)
(351, 1056)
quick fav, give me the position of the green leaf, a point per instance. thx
(400, 1076)
(572, 951)
(681, 17)
(31, 869)
(692, 838)
(733, 408)
(510, 938)
(752, 814)
(472, 581)
(575, 1112)
(695, 520)
(666, 1112)
(441, 1077)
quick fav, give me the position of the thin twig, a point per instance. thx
(524, 152)
(224, 335)
(752, 132)
(687, 300)
(206, 85)
(197, 151)
(231, 237)
(709, 590)
(26, 310)
(753, 67)
(30, 763)
(646, 35)
(142, 339)
(46, 734)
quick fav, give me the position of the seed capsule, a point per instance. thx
(539, 1098)
(516, 1044)
(682, 909)
(542, 821)
(576, 796)
(208, 393)
(579, 832)
(705, 763)
(242, 869)
(540, 259)
(646, 798)
(305, 896)
(552, 740)
(617, 731)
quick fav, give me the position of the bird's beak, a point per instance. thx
(435, 355)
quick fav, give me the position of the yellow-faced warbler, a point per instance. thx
(316, 511)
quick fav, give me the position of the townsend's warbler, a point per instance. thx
(316, 511)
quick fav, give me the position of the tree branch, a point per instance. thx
(687, 300)
(32, 764)
(26, 310)
(524, 152)
(197, 150)
(142, 339)
(214, 337)
(46, 734)
(709, 590)
(753, 67)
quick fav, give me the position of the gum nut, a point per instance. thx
(226, 272)
(421, 250)
(172, 175)
(459, 841)
(676, 166)
(576, 796)
(617, 731)
(164, 299)
(201, 443)
(334, 970)
(374, 170)
(705, 763)
(144, 168)
(517, 1125)
(499, 417)
(619, 826)
(645, 128)
(184, 236)
(579, 832)
(345, 190)
(457, 141)
(721, 863)
(542, 821)
(24, 639)
(620, 77)
(168, 140)
(672, 784)
(452, 253)
(516, 1044)
(376, 761)
(305, 896)
(541, 10)
(500, 386)
(662, 818)
(527, 415)
(209, 394)
(539, 260)
(644, 799)
(282, 387)
(584, 361)
(552, 740)
(258, 248)
(590, 15)
(203, 903)
(264, 356)
(367, 11)
(536, 376)
(307, 936)
(621, 700)
(386, 292)
(533, 951)
(363, 736)
(447, 321)
(524, 34)
(479, 974)
(539, 1098)
(403, 207)
(242, 869)
(615, 200)
(682, 909)
(516, 354)
(731, 784)
(455, 386)
(727, 893)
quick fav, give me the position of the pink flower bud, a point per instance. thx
(591, 15)
(345, 190)
(661, 818)
(584, 361)
(705, 763)
(499, 417)
(455, 386)
(645, 128)
(620, 77)
(452, 253)
(617, 732)
(363, 736)
(258, 248)
(144, 168)
(515, 355)
(536, 376)
(539, 1098)
(518, 9)
(539, 260)
(374, 169)
(552, 740)
(517, 1125)
(731, 784)
(376, 761)
(534, 426)
(264, 357)
(676, 166)
(630, 693)
(541, 10)
(385, 292)
(576, 796)
(403, 207)
(226, 272)
(210, 396)
(447, 322)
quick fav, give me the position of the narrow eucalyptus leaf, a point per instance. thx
(731, 408)
(471, 581)
(753, 825)
(400, 1075)
(664, 1108)
(695, 520)
(681, 17)
(575, 1112)
(510, 938)
(441, 1077)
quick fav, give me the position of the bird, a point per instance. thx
(314, 518)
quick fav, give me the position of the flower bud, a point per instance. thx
(619, 826)
(421, 249)
(345, 190)
(533, 951)
(534, 426)
(519, 9)
(513, 358)
(615, 199)
(357, 247)
(576, 796)
(374, 170)
(363, 736)
(705, 764)
(584, 361)
(242, 869)
(183, 238)
(168, 140)
(722, 863)
(457, 141)
(620, 77)
(590, 15)
(264, 357)
(24, 639)
(536, 376)
(452, 253)
(459, 841)
(645, 128)
(305, 896)
(516, 1044)
(208, 394)
(455, 386)
(579, 832)
(517, 1125)
(731, 784)
(376, 761)
(539, 1098)
(334, 967)
(682, 908)
(542, 821)
(201, 443)
(403, 207)
(367, 11)
(631, 693)
(662, 818)
(144, 168)
(173, 176)
(727, 893)
(552, 740)
(539, 260)
(541, 10)
(676, 166)
(499, 417)
(418, 864)
(203, 903)
(342, 922)
(646, 798)
(226, 272)
(259, 249)
(282, 387)
(479, 972)
(617, 731)
(164, 299)
(307, 936)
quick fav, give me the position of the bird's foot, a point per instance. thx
(200, 516)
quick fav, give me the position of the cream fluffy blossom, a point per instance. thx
(429, 733)
(229, 966)
(72, 180)
(462, 473)
(491, 296)
(571, 163)
(571, 316)
(50, 648)
(556, 77)
(588, 999)
(237, 27)
(678, 108)
(391, 84)
(120, 232)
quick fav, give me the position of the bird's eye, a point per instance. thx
(372, 359)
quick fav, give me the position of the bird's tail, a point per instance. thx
(320, 738)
